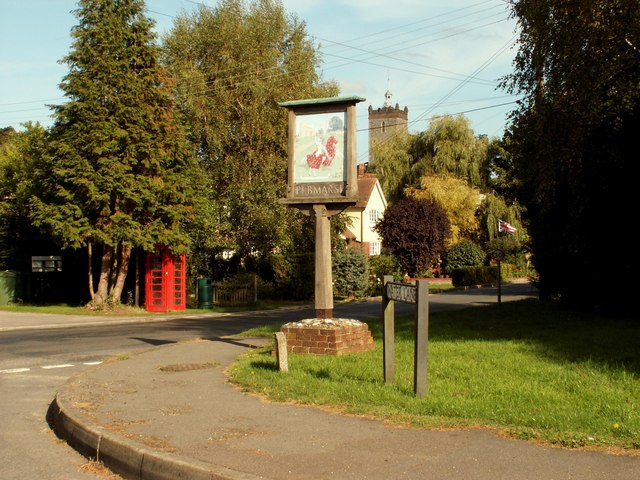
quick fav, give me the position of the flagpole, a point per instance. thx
(499, 284)
(498, 254)
(499, 273)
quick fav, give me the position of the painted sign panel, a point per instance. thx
(320, 151)
(401, 292)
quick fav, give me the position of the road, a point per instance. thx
(36, 361)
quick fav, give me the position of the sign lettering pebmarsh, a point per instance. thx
(318, 189)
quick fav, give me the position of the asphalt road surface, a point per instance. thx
(35, 362)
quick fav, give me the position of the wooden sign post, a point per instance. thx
(418, 295)
(322, 177)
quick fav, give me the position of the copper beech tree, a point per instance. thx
(415, 231)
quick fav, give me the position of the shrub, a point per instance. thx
(515, 252)
(379, 266)
(465, 253)
(293, 276)
(467, 276)
(350, 273)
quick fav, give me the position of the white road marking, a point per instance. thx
(64, 365)
(15, 370)
(49, 367)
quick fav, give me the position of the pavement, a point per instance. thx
(170, 413)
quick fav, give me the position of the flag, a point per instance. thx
(504, 227)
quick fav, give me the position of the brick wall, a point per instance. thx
(327, 337)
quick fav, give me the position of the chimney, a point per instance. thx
(362, 168)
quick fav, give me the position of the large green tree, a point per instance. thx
(120, 173)
(572, 141)
(23, 159)
(233, 64)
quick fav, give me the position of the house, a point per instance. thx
(366, 213)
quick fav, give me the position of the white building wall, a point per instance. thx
(376, 203)
(362, 226)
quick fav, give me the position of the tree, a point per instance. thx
(503, 180)
(415, 231)
(449, 146)
(233, 64)
(457, 198)
(391, 162)
(121, 174)
(23, 158)
(578, 68)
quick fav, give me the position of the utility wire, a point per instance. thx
(228, 82)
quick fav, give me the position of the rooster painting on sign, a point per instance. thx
(319, 148)
(323, 155)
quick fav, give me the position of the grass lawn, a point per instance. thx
(529, 368)
(131, 311)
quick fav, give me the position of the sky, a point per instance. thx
(436, 57)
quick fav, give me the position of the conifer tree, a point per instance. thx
(121, 174)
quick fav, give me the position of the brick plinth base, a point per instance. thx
(335, 336)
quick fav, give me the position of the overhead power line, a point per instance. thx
(238, 79)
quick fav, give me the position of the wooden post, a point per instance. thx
(136, 290)
(255, 288)
(281, 351)
(323, 279)
(420, 382)
(418, 295)
(388, 333)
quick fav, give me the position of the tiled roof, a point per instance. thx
(366, 184)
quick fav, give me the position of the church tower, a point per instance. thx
(386, 121)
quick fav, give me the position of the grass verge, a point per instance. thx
(125, 310)
(530, 369)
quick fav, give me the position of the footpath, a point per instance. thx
(169, 413)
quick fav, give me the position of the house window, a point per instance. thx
(374, 248)
(374, 216)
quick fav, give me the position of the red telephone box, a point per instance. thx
(165, 281)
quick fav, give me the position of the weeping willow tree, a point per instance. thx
(450, 146)
(391, 162)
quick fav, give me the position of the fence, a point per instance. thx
(233, 295)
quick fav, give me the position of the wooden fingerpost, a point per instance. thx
(418, 295)
(388, 335)
(420, 381)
